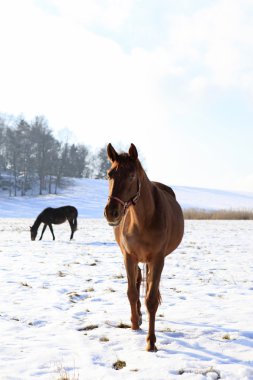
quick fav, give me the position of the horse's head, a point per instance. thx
(124, 183)
(33, 233)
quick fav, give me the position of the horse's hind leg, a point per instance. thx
(153, 299)
(75, 223)
(43, 230)
(73, 229)
(52, 232)
(132, 291)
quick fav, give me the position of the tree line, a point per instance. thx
(33, 160)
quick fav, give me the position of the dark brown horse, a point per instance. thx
(148, 225)
(51, 216)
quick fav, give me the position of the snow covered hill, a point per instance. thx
(90, 196)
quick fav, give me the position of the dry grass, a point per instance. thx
(119, 364)
(201, 214)
(203, 372)
(88, 328)
(64, 375)
(103, 339)
(122, 325)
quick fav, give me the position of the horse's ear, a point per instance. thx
(111, 152)
(133, 152)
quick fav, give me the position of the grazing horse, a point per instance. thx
(148, 225)
(51, 216)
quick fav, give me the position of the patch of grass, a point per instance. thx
(15, 319)
(88, 328)
(25, 284)
(64, 375)
(111, 290)
(74, 297)
(226, 337)
(122, 325)
(61, 274)
(119, 364)
(119, 276)
(176, 290)
(203, 372)
(103, 339)
(91, 289)
(168, 330)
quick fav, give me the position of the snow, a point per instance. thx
(62, 302)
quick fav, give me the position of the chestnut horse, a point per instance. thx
(148, 225)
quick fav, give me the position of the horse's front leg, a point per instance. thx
(133, 291)
(43, 230)
(153, 299)
(138, 284)
(52, 232)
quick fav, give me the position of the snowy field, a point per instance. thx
(63, 305)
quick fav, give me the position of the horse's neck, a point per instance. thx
(37, 222)
(145, 205)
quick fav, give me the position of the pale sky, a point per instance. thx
(174, 77)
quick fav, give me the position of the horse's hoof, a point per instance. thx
(151, 348)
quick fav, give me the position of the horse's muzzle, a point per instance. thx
(113, 213)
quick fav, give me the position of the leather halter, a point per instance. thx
(132, 201)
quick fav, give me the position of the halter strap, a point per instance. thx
(132, 201)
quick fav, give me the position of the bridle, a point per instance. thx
(132, 201)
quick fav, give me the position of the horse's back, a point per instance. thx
(165, 188)
(58, 214)
(47, 211)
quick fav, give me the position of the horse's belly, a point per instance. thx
(59, 220)
(145, 245)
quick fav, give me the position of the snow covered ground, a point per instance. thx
(63, 303)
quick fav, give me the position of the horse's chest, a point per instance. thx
(138, 244)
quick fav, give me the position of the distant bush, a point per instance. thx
(201, 214)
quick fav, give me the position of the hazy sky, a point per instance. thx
(175, 77)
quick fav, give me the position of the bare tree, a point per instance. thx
(44, 146)
(102, 163)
